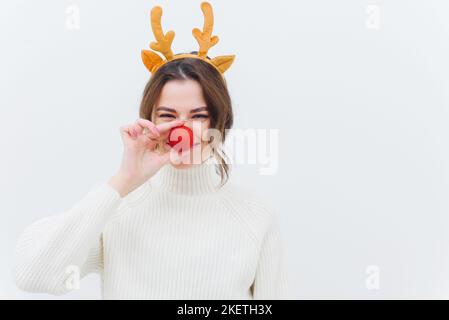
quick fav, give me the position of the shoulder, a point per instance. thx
(137, 196)
(248, 198)
(133, 200)
(252, 208)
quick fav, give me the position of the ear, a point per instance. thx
(223, 62)
(151, 60)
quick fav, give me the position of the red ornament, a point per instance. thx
(180, 136)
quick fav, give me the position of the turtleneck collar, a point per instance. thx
(195, 179)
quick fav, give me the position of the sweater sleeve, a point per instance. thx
(52, 250)
(271, 279)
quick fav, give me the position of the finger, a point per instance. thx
(138, 131)
(150, 138)
(126, 132)
(164, 127)
(148, 141)
(144, 123)
(146, 135)
(135, 131)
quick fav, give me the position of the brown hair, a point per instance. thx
(215, 94)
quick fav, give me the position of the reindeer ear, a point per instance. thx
(223, 62)
(151, 60)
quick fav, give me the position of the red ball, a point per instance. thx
(181, 137)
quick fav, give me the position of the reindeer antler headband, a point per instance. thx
(153, 61)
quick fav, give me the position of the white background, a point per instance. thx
(358, 90)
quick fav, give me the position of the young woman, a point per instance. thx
(160, 229)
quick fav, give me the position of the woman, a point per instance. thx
(164, 226)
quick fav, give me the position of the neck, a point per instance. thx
(193, 179)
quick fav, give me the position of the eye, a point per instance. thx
(166, 115)
(201, 116)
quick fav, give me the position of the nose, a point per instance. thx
(186, 122)
(191, 123)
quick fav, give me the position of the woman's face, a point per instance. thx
(183, 100)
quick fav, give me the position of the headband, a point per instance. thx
(154, 61)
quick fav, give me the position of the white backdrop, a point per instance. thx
(357, 88)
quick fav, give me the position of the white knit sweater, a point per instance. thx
(178, 236)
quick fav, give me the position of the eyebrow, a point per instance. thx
(162, 108)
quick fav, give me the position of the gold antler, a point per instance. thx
(154, 61)
(164, 42)
(204, 38)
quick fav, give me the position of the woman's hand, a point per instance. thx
(140, 160)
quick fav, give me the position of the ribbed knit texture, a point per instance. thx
(178, 236)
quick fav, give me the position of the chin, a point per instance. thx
(182, 165)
